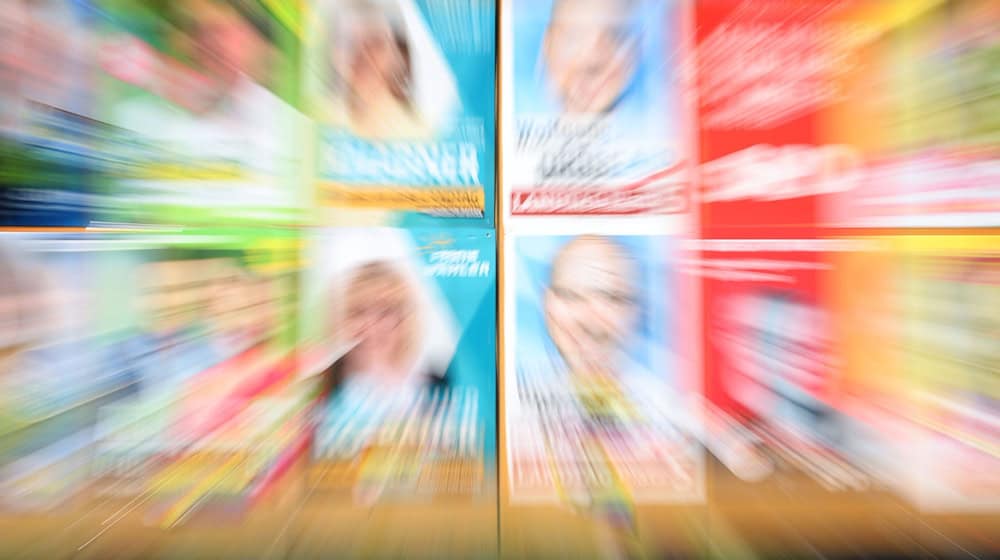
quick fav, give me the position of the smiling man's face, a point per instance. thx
(590, 304)
(590, 52)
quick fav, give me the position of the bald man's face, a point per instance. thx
(590, 53)
(590, 306)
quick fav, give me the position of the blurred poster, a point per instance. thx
(775, 139)
(930, 85)
(595, 123)
(48, 138)
(773, 357)
(595, 418)
(53, 374)
(855, 114)
(403, 92)
(949, 296)
(864, 294)
(221, 477)
(198, 137)
(201, 325)
(401, 327)
(916, 322)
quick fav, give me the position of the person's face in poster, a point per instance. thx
(38, 53)
(379, 318)
(223, 40)
(166, 296)
(221, 44)
(778, 349)
(226, 295)
(591, 53)
(370, 56)
(374, 58)
(13, 21)
(590, 304)
(266, 306)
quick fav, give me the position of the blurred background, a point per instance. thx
(208, 349)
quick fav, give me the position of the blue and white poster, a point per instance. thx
(596, 124)
(593, 378)
(403, 92)
(401, 325)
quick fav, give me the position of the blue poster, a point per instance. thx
(406, 323)
(596, 117)
(403, 92)
(593, 382)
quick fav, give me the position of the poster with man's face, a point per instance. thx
(592, 372)
(594, 122)
(199, 134)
